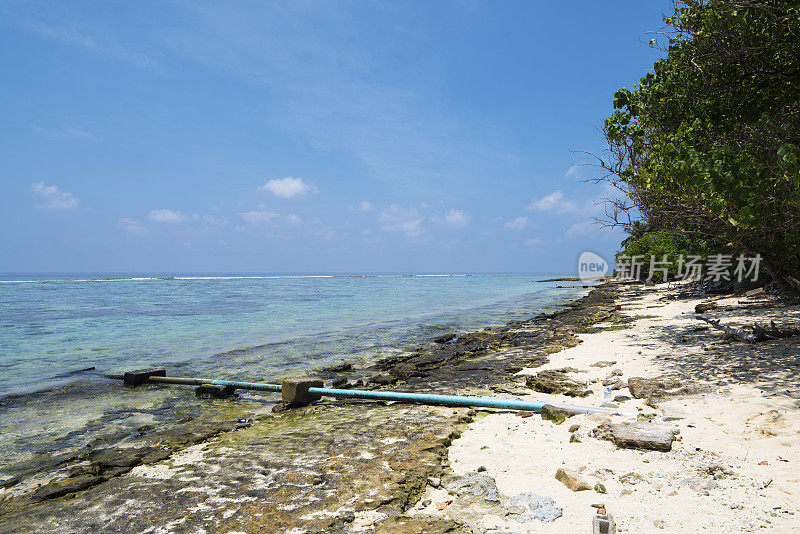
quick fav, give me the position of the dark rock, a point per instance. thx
(555, 414)
(58, 488)
(664, 386)
(579, 392)
(404, 371)
(338, 381)
(213, 391)
(118, 458)
(637, 435)
(705, 306)
(621, 398)
(381, 379)
(555, 382)
(446, 338)
(341, 368)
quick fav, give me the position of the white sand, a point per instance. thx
(736, 428)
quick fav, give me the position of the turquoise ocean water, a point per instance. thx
(259, 327)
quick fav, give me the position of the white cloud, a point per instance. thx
(534, 241)
(65, 133)
(370, 237)
(457, 218)
(133, 226)
(288, 187)
(582, 229)
(554, 202)
(166, 216)
(53, 26)
(210, 220)
(256, 218)
(517, 224)
(215, 221)
(294, 219)
(575, 171)
(53, 199)
(397, 219)
(364, 205)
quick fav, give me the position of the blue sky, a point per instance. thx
(308, 136)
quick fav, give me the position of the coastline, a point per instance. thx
(346, 466)
(90, 476)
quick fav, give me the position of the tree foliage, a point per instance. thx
(658, 244)
(708, 143)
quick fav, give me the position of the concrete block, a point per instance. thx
(294, 391)
(604, 524)
(135, 378)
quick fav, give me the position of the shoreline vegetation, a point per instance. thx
(705, 149)
(349, 466)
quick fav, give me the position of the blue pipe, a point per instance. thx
(425, 398)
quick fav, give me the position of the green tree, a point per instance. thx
(707, 143)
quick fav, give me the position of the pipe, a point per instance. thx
(423, 398)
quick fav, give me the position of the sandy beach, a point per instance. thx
(734, 466)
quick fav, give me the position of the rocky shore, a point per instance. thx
(246, 465)
(714, 424)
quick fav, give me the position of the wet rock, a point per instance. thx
(341, 368)
(213, 391)
(536, 507)
(555, 414)
(621, 398)
(58, 488)
(404, 371)
(604, 363)
(446, 338)
(118, 458)
(338, 381)
(572, 480)
(381, 379)
(638, 435)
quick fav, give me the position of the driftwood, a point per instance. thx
(755, 333)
